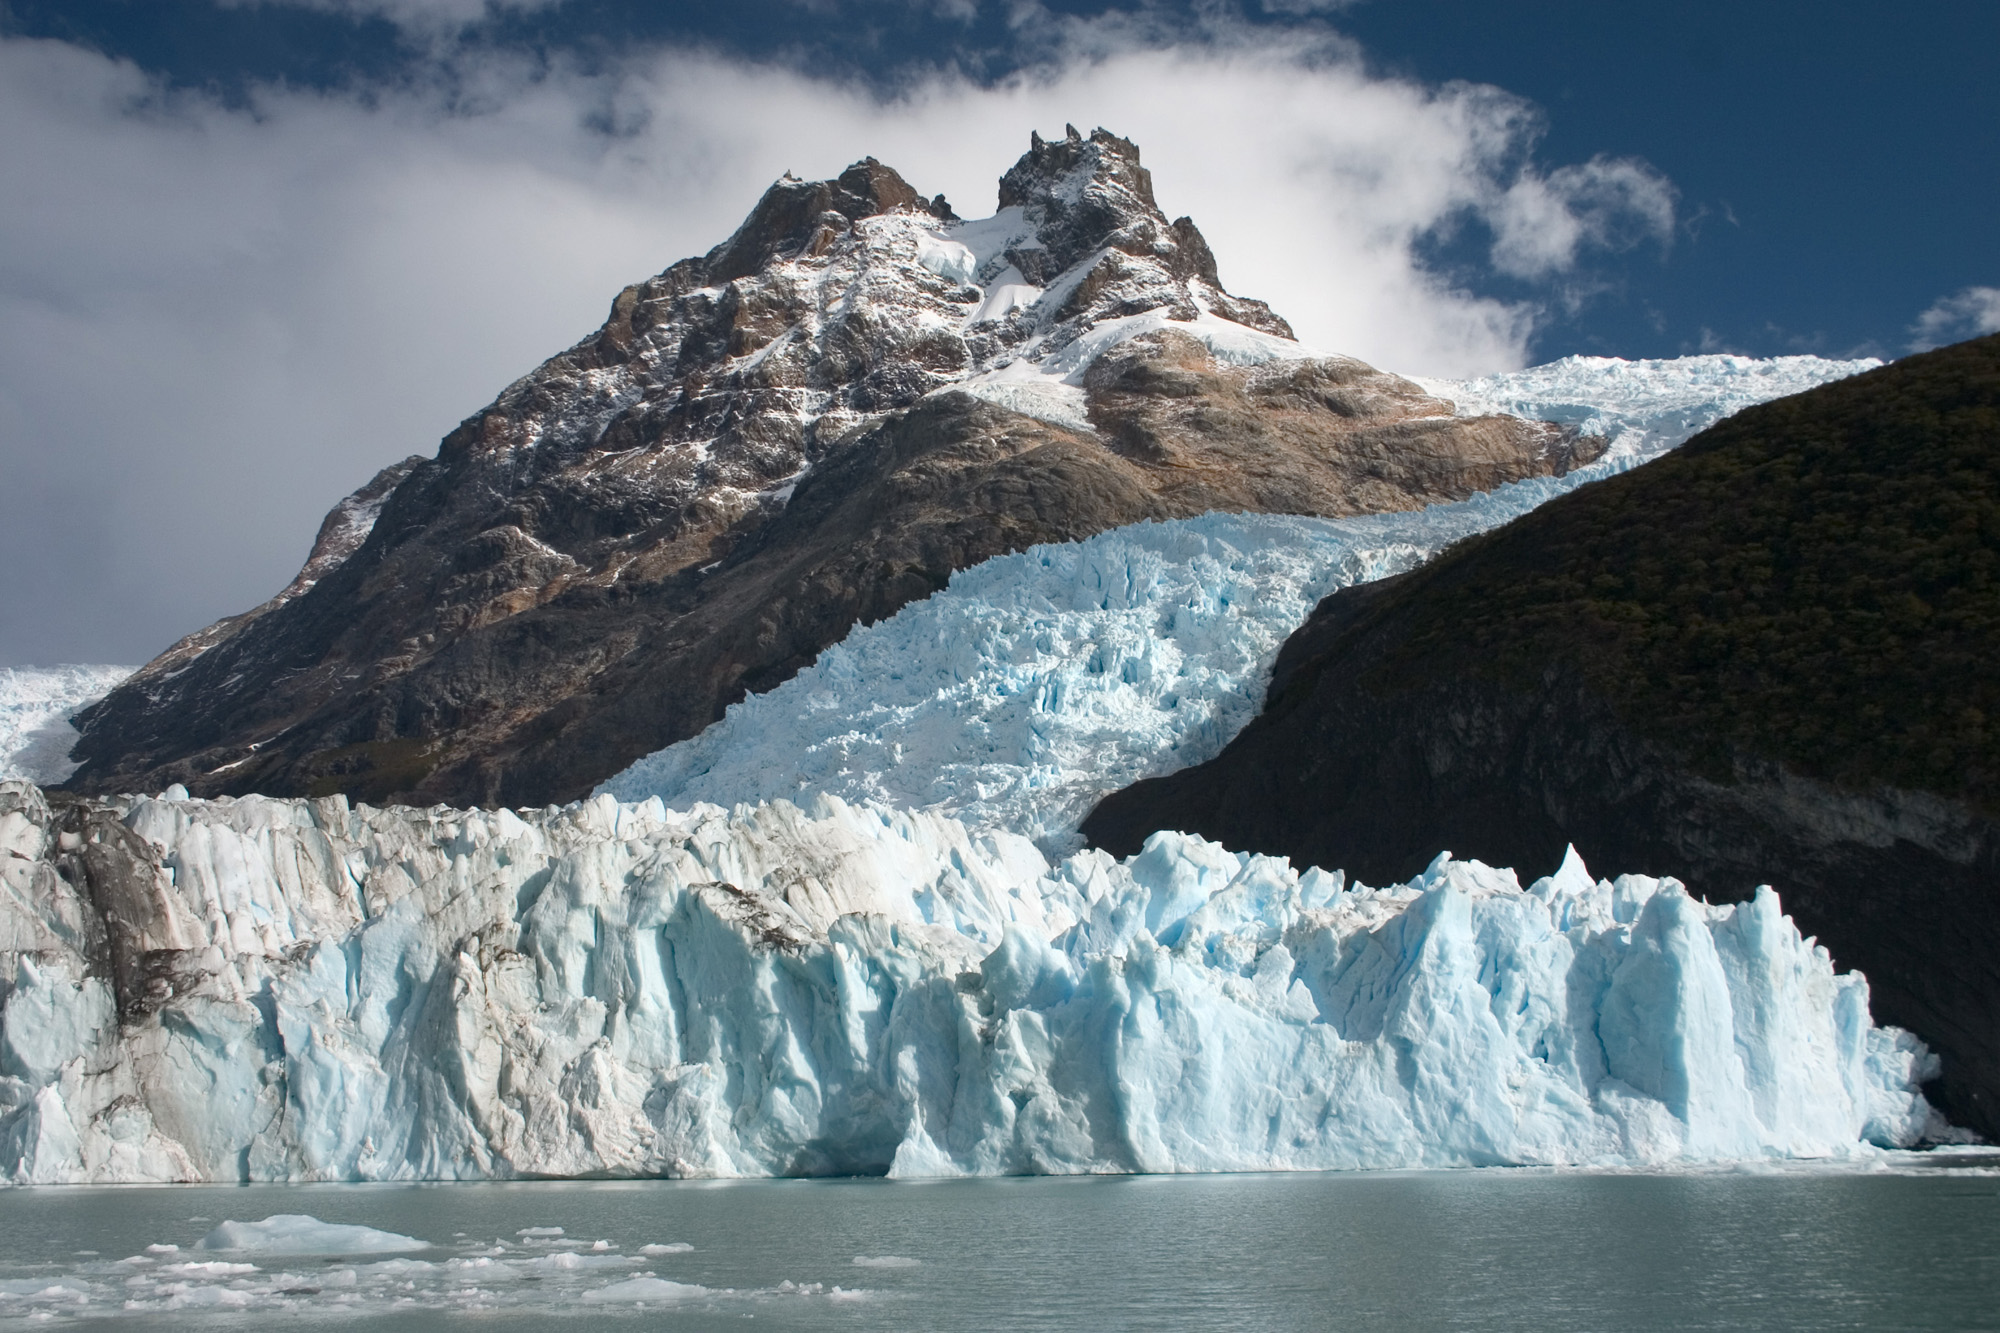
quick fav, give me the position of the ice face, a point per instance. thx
(35, 705)
(1038, 682)
(621, 990)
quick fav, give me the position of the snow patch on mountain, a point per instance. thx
(336, 993)
(1051, 387)
(1038, 682)
(35, 707)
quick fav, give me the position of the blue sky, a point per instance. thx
(251, 251)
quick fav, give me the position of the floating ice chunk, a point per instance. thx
(208, 1298)
(885, 1261)
(570, 1261)
(671, 1247)
(299, 1233)
(539, 1231)
(643, 1289)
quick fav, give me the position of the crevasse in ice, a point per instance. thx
(1036, 683)
(615, 989)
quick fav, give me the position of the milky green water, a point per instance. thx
(1914, 1247)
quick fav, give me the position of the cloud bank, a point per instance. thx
(1964, 314)
(215, 320)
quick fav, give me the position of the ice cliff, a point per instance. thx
(303, 990)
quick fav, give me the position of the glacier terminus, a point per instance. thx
(292, 990)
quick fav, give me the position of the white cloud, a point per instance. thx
(1541, 221)
(215, 321)
(429, 17)
(1965, 314)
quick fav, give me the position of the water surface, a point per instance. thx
(1915, 1246)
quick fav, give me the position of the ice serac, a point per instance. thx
(307, 990)
(812, 425)
(36, 704)
(1037, 683)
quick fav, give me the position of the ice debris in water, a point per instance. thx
(623, 990)
(1037, 682)
(301, 1233)
(466, 1277)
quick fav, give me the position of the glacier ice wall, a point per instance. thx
(35, 705)
(1038, 682)
(300, 990)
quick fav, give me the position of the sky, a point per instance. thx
(253, 250)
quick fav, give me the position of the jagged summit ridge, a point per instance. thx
(1090, 201)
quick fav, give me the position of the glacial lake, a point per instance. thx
(1913, 1244)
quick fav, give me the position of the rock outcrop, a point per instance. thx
(1766, 658)
(814, 423)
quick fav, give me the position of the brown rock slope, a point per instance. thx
(761, 447)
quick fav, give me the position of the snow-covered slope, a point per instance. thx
(313, 992)
(35, 704)
(1038, 682)
(1643, 407)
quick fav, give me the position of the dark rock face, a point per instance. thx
(1527, 692)
(754, 453)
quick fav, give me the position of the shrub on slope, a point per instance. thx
(1815, 580)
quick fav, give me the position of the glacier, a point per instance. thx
(35, 708)
(1036, 683)
(304, 990)
(849, 929)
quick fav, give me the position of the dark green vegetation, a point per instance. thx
(373, 770)
(1767, 658)
(1815, 580)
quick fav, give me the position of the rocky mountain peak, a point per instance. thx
(817, 421)
(796, 215)
(1086, 195)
